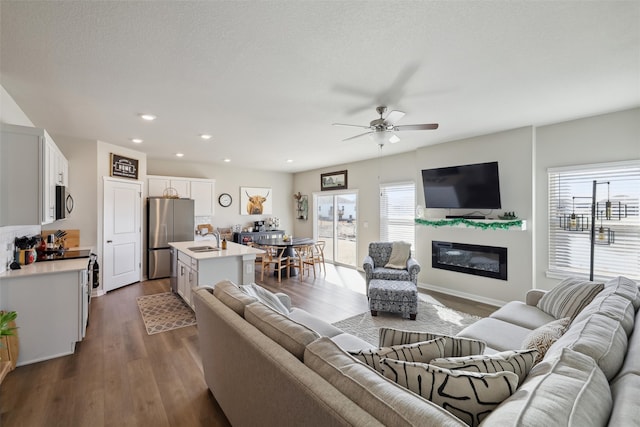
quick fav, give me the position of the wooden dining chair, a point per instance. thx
(276, 258)
(318, 254)
(309, 261)
(296, 260)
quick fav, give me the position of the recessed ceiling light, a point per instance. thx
(179, 154)
(226, 160)
(136, 140)
(289, 160)
(148, 117)
(205, 136)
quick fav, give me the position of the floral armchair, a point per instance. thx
(374, 265)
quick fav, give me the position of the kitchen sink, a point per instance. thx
(203, 249)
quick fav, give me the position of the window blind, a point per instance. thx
(397, 212)
(570, 192)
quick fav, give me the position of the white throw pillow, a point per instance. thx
(543, 337)
(265, 296)
(400, 252)
(470, 396)
(569, 297)
(519, 362)
(453, 346)
(417, 352)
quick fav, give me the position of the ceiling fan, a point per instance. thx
(382, 129)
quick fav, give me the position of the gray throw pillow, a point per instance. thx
(569, 297)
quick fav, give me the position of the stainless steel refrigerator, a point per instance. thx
(168, 220)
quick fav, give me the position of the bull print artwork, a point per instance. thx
(255, 201)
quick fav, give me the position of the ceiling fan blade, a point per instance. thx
(394, 139)
(425, 126)
(345, 124)
(394, 116)
(357, 136)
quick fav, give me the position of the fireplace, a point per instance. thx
(488, 261)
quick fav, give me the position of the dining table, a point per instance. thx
(288, 245)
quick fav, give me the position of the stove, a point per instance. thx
(59, 255)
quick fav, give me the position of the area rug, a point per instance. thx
(431, 318)
(164, 312)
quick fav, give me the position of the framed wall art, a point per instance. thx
(256, 201)
(333, 181)
(124, 167)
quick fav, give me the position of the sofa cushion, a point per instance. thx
(521, 314)
(625, 287)
(230, 294)
(614, 306)
(631, 362)
(569, 297)
(292, 336)
(453, 346)
(625, 391)
(417, 352)
(568, 390)
(470, 396)
(599, 337)
(323, 328)
(388, 402)
(265, 296)
(519, 362)
(400, 252)
(545, 336)
(498, 334)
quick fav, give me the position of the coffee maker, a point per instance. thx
(258, 226)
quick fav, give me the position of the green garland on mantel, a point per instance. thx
(494, 225)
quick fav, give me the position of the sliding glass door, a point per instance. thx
(336, 223)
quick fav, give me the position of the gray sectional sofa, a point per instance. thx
(269, 368)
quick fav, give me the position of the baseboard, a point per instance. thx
(465, 295)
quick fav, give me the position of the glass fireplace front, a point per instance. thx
(488, 261)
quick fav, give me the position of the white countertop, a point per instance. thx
(47, 267)
(233, 249)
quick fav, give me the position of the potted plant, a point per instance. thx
(7, 328)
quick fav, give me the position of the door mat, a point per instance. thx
(165, 312)
(430, 318)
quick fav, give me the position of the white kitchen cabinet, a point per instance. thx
(187, 277)
(202, 191)
(203, 194)
(31, 165)
(52, 312)
(159, 184)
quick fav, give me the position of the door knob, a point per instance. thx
(109, 241)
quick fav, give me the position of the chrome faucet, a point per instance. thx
(217, 236)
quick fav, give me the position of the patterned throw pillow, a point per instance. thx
(453, 346)
(470, 396)
(417, 352)
(519, 362)
(569, 297)
(543, 337)
(400, 252)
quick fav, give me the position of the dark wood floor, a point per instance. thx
(120, 376)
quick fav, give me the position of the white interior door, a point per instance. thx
(122, 236)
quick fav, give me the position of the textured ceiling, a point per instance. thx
(267, 78)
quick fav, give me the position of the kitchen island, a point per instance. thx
(201, 263)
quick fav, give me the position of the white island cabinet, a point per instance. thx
(196, 268)
(51, 299)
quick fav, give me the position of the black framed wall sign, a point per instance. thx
(124, 167)
(333, 180)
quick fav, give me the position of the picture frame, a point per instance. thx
(123, 167)
(256, 201)
(333, 180)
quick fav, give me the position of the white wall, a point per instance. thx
(512, 150)
(600, 139)
(363, 178)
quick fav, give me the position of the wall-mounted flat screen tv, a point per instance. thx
(474, 186)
